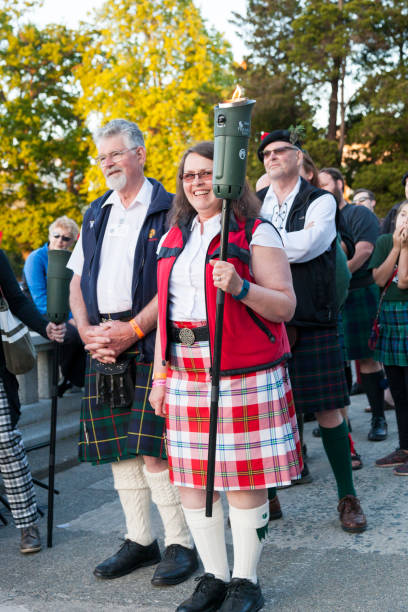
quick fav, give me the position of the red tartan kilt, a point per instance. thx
(257, 440)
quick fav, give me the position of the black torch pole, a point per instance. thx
(216, 364)
(53, 437)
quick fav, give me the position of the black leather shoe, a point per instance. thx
(305, 478)
(242, 596)
(30, 540)
(379, 429)
(207, 597)
(177, 565)
(129, 557)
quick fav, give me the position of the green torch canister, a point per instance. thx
(58, 279)
(232, 128)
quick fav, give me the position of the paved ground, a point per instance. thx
(308, 565)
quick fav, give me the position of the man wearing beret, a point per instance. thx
(114, 302)
(306, 218)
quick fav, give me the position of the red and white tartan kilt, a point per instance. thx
(257, 437)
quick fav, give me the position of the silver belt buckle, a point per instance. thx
(186, 336)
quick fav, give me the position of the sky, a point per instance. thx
(216, 12)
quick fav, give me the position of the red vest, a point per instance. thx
(249, 342)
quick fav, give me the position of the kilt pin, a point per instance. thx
(110, 434)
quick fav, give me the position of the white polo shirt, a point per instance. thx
(114, 285)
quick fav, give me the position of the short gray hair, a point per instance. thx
(67, 224)
(121, 126)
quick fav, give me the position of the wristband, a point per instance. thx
(159, 375)
(158, 383)
(136, 329)
(243, 292)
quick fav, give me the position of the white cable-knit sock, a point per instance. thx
(209, 537)
(134, 495)
(248, 529)
(167, 499)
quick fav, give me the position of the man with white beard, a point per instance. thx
(114, 302)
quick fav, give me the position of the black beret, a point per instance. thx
(404, 178)
(278, 135)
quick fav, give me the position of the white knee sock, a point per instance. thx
(134, 495)
(209, 537)
(167, 499)
(248, 534)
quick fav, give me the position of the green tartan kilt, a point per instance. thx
(358, 315)
(108, 434)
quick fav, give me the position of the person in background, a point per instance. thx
(362, 301)
(388, 224)
(389, 264)
(316, 368)
(364, 197)
(255, 399)
(62, 235)
(14, 467)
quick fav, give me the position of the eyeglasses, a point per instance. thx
(360, 200)
(115, 156)
(63, 238)
(279, 152)
(202, 175)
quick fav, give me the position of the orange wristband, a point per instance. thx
(159, 375)
(136, 329)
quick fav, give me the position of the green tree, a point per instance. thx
(43, 141)
(154, 62)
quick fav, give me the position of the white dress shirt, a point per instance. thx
(114, 285)
(186, 287)
(305, 244)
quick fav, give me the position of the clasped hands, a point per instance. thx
(107, 340)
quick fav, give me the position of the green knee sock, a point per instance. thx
(337, 446)
(272, 493)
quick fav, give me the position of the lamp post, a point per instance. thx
(58, 279)
(232, 128)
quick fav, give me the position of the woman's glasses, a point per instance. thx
(202, 175)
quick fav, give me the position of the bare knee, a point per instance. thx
(155, 464)
(329, 418)
(247, 499)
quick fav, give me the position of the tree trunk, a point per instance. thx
(342, 109)
(333, 104)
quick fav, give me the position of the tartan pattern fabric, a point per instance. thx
(317, 371)
(15, 470)
(358, 315)
(392, 345)
(257, 435)
(108, 434)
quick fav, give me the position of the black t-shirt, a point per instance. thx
(364, 227)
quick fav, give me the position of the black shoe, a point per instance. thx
(207, 597)
(379, 429)
(177, 565)
(316, 432)
(129, 557)
(64, 386)
(308, 417)
(304, 451)
(243, 596)
(356, 389)
(305, 476)
(30, 540)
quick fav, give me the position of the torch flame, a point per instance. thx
(237, 93)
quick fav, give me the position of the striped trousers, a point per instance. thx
(14, 469)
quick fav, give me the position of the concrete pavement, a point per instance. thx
(308, 565)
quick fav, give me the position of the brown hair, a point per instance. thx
(334, 173)
(310, 166)
(246, 206)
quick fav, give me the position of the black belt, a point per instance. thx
(187, 335)
(126, 315)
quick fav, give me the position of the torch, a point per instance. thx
(58, 279)
(232, 128)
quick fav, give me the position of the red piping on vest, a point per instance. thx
(249, 341)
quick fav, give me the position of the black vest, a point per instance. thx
(314, 281)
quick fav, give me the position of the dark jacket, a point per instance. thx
(144, 283)
(25, 310)
(313, 281)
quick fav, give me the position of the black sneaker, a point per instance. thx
(379, 429)
(207, 597)
(243, 596)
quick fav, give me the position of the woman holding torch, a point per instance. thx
(257, 438)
